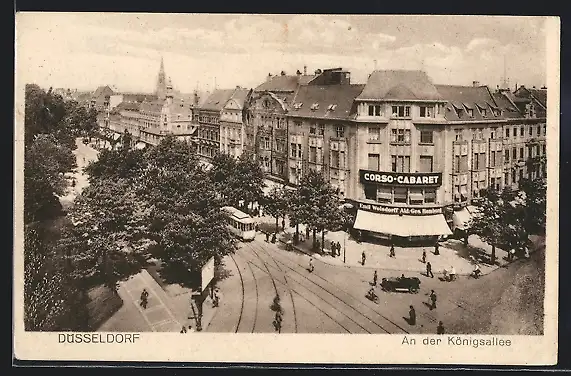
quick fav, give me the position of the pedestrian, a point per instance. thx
(424, 256)
(512, 254)
(412, 316)
(363, 258)
(183, 330)
(440, 328)
(436, 248)
(432, 300)
(144, 298)
(452, 273)
(306, 232)
(257, 227)
(375, 276)
(267, 237)
(310, 264)
(333, 248)
(392, 251)
(273, 237)
(278, 321)
(429, 270)
(338, 249)
(283, 223)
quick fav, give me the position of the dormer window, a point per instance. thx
(314, 106)
(483, 112)
(470, 112)
(332, 107)
(297, 106)
(374, 110)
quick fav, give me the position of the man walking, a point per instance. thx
(436, 248)
(267, 237)
(429, 270)
(440, 328)
(424, 256)
(144, 298)
(338, 249)
(375, 278)
(412, 316)
(432, 300)
(363, 258)
(392, 251)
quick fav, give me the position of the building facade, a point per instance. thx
(232, 129)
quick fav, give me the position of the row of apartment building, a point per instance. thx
(398, 144)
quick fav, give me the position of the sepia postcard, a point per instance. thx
(271, 188)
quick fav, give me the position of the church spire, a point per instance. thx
(160, 90)
(162, 69)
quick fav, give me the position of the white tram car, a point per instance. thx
(241, 224)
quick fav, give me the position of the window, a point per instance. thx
(530, 130)
(521, 174)
(374, 162)
(312, 129)
(426, 111)
(425, 164)
(458, 135)
(493, 133)
(297, 123)
(299, 153)
(430, 196)
(340, 131)
(426, 137)
(544, 130)
(374, 133)
(321, 129)
(280, 145)
(401, 111)
(293, 149)
(479, 162)
(335, 158)
(507, 157)
(492, 159)
(400, 195)
(483, 111)
(463, 163)
(507, 132)
(400, 135)
(521, 131)
(415, 196)
(268, 144)
(456, 163)
(385, 194)
(374, 110)
(544, 149)
(470, 112)
(514, 154)
(312, 154)
(400, 163)
(520, 153)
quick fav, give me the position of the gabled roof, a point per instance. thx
(284, 83)
(154, 106)
(138, 97)
(399, 85)
(540, 95)
(509, 109)
(477, 99)
(128, 106)
(102, 90)
(325, 101)
(240, 95)
(217, 100)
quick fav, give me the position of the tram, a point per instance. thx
(241, 224)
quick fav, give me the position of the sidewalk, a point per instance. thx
(452, 252)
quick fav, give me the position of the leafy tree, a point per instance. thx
(123, 163)
(319, 204)
(50, 302)
(248, 182)
(223, 174)
(535, 196)
(108, 224)
(275, 203)
(45, 164)
(44, 114)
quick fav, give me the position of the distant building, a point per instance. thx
(232, 129)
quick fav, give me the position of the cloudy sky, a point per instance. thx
(85, 50)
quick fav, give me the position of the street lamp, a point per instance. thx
(343, 207)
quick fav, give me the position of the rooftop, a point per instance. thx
(399, 85)
(325, 101)
(285, 83)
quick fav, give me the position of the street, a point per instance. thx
(332, 298)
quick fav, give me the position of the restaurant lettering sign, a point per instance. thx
(400, 210)
(420, 179)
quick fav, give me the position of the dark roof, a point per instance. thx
(400, 85)
(154, 106)
(540, 95)
(340, 96)
(139, 97)
(507, 107)
(284, 83)
(102, 90)
(217, 100)
(128, 106)
(476, 98)
(240, 95)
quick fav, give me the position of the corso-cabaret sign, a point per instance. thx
(433, 179)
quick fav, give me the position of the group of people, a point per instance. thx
(144, 299)
(335, 248)
(412, 316)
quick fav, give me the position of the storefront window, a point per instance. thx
(370, 192)
(430, 196)
(400, 195)
(385, 195)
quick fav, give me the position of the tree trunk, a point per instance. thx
(314, 238)
(322, 240)
(277, 224)
(493, 256)
(297, 230)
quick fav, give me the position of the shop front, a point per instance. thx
(401, 207)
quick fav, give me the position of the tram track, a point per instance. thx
(256, 307)
(342, 300)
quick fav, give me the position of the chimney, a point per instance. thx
(475, 83)
(298, 73)
(305, 70)
(318, 71)
(534, 87)
(269, 77)
(515, 86)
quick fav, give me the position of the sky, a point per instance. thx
(86, 50)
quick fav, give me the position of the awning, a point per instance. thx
(416, 196)
(402, 225)
(461, 219)
(385, 195)
(140, 145)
